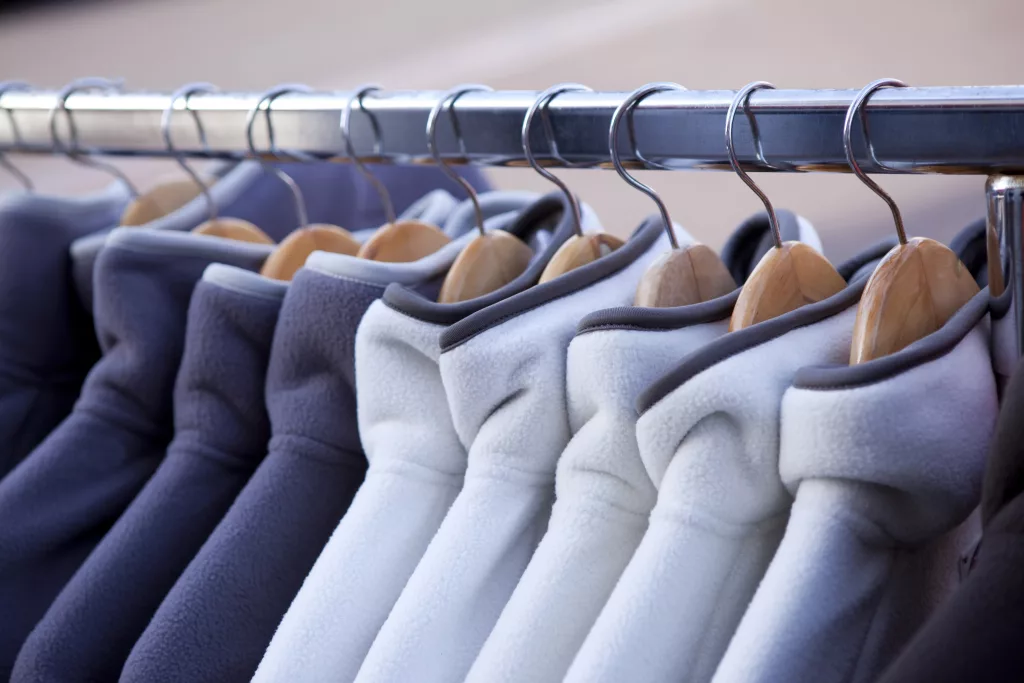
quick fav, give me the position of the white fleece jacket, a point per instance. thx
(603, 494)
(709, 438)
(884, 459)
(504, 375)
(416, 467)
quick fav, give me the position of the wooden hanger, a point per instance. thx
(580, 249)
(790, 275)
(403, 242)
(492, 259)
(170, 196)
(395, 241)
(165, 198)
(488, 263)
(683, 275)
(233, 229)
(914, 290)
(917, 286)
(291, 253)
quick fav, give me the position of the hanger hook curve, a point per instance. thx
(625, 109)
(23, 179)
(187, 92)
(858, 105)
(269, 96)
(378, 146)
(73, 152)
(448, 100)
(542, 102)
(741, 100)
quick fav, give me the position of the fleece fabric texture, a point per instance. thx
(61, 500)
(883, 459)
(976, 634)
(47, 342)
(221, 434)
(603, 494)
(219, 617)
(336, 194)
(503, 370)
(416, 466)
(708, 436)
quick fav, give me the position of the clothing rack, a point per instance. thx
(951, 130)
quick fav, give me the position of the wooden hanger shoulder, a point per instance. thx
(233, 229)
(682, 277)
(163, 199)
(579, 251)
(486, 264)
(403, 242)
(913, 292)
(785, 279)
(292, 252)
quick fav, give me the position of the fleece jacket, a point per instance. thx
(336, 194)
(603, 495)
(88, 635)
(883, 459)
(976, 634)
(503, 370)
(708, 435)
(47, 342)
(61, 500)
(416, 464)
(221, 434)
(220, 615)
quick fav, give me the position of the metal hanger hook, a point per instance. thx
(73, 152)
(626, 108)
(378, 146)
(858, 105)
(186, 92)
(541, 104)
(19, 175)
(447, 101)
(741, 100)
(268, 97)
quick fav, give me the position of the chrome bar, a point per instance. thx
(1005, 196)
(936, 130)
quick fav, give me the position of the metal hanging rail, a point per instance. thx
(952, 130)
(935, 130)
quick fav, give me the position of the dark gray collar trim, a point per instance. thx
(642, 239)
(413, 304)
(925, 350)
(742, 340)
(637, 318)
(747, 242)
(677, 317)
(737, 342)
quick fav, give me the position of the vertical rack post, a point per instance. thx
(1005, 194)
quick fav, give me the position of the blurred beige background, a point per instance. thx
(531, 44)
